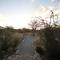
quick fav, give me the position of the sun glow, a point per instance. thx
(17, 21)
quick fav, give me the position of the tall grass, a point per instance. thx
(9, 39)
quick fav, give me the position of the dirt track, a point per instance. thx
(25, 51)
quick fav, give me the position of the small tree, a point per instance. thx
(34, 25)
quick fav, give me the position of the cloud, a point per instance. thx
(44, 11)
(1, 14)
(33, 0)
(52, 0)
(57, 1)
(41, 11)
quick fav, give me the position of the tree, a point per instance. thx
(34, 25)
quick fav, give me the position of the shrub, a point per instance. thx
(52, 36)
(9, 39)
(49, 43)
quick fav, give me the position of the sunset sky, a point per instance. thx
(18, 13)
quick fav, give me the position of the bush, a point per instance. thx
(48, 46)
(52, 36)
(9, 39)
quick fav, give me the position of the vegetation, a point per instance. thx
(48, 45)
(9, 39)
(52, 36)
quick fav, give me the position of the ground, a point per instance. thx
(25, 50)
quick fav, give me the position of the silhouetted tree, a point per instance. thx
(34, 25)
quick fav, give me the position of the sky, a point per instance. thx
(18, 13)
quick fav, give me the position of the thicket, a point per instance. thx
(9, 39)
(52, 35)
(50, 50)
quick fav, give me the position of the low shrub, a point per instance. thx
(9, 39)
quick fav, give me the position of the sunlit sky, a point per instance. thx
(18, 13)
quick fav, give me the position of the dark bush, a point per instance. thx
(40, 50)
(9, 40)
(52, 36)
(50, 49)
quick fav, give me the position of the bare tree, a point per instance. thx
(42, 22)
(34, 25)
(39, 22)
